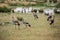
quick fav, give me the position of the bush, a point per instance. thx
(58, 5)
(5, 9)
(41, 4)
(12, 4)
(16, 4)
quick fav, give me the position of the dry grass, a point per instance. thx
(40, 30)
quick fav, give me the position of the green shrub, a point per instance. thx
(16, 4)
(13, 4)
(58, 5)
(5, 9)
(41, 4)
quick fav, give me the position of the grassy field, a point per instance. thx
(40, 30)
